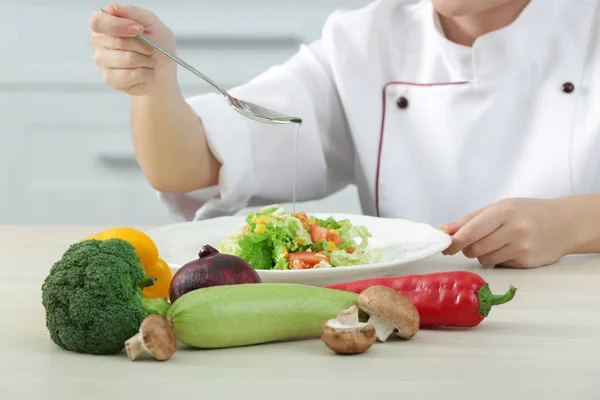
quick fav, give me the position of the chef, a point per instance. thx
(479, 116)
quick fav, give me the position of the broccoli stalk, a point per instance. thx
(157, 306)
(93, 297)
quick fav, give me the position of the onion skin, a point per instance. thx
(211, 268)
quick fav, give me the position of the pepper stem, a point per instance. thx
(147, 281)
(498, 299)
(487, 299)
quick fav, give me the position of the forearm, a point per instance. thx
(170, 144)
(584, 213)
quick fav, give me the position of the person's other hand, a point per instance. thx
(127, 63)
(519, 233)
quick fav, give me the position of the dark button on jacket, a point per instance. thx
(402, 102)
(568, 87)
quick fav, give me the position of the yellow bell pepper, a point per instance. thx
(148, 254)
(163, 274)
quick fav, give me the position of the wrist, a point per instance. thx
(165, 92)
(564, 224)
(581, 230)
(163, 96)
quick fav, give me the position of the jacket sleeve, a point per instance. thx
(257, 158)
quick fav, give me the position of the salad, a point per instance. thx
(274, 238)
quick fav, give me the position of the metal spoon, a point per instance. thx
(245, 108)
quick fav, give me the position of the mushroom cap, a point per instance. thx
(391, 306)
(346, 335)
(157, 337)
(348, 340)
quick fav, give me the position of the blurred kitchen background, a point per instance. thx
(66, 154)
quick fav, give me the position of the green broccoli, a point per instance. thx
(93, 297)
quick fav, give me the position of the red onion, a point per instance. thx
(211, 269)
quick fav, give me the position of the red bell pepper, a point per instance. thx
(450, 299)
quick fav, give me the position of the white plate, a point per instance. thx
(401, 242)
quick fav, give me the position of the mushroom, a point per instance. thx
(389, 312)
(155, 337)
(346, 335)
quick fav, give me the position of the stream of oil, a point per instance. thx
(295, 173)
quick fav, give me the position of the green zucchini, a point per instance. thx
(255, 313)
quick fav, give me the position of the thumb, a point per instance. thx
(134, 14)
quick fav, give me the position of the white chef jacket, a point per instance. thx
(427, 129)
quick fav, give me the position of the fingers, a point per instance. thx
(520, 264)
(512, 255)
(479, 227)
(500, 256)
(120, 43)
(119, 59)
(141, 16)
(114, 26)
(125, 79)
(127, 63)
(453, 227)
(494, 241)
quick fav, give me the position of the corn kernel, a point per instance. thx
(300, 241)
(330, 246)
(311, 222)
(285, 252)
(260, 228)
(262, 220)
(301, 217)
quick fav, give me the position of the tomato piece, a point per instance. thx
(334, 237)
(318, 233)
(305, 260)
(299, 264)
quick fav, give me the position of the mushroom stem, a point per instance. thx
(383, 329)
(135, 347)
(389, 312)
(155, 338)
(349, 317)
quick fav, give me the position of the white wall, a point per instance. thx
(66, 155)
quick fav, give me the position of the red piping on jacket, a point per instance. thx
(383, 115)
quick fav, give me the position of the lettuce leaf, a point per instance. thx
(340, 258)
(328, 223)
(257, 250)
(296, 232)
(350, 233)
(280, 257)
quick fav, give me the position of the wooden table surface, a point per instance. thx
(545, 344)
